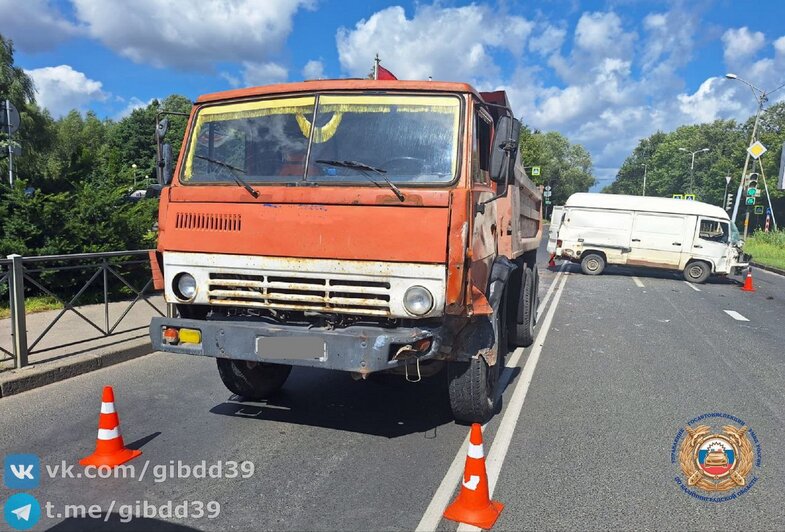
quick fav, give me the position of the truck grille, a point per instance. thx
(208, 221)
(322, 294)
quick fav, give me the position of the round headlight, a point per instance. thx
(417, 300)
(185, 286)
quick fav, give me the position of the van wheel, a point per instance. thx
(252, 380)
(697, 272)
(592, 264)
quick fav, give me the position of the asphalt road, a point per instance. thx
(587, 430)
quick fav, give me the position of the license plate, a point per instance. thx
(291, 348)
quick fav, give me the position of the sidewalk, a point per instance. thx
(73, 346)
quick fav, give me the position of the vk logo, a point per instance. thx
(22, 511)
(22, 471)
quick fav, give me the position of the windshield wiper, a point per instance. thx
(237, 179)
(364, 168)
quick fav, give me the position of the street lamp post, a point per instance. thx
(692, 165)
(762, 97)
(644, 180)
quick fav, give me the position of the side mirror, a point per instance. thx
(161, 128)
(505, 142)
(165, 169)
(153, 191)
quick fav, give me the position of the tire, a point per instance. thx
(697, 272)
(521, 328)
(472, 385)
(252, 380)
(592, 264)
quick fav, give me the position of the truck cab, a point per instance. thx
(354, 225)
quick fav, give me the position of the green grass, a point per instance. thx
(32, 305)
(767, 248)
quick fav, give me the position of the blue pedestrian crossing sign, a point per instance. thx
(690, 197)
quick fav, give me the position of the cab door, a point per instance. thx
(712, 243)
(483, 236)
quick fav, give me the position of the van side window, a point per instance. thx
(481, 147)
(714, 231)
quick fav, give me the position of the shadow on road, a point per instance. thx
(644, 273)
(383, 405)
(116, 523)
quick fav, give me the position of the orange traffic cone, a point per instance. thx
(551, 262)
(748, 281)
(109, 447)
(473, 505)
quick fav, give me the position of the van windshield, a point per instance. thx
(409, 138)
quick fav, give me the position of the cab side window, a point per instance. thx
(714, 231)
(481, 148)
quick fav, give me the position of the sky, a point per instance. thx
(603, 73)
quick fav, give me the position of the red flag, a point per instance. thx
(383, 73)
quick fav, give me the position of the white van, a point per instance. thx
(695, 238)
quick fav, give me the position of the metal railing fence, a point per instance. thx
(20, 274)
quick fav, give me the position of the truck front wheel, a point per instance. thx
(252, 380)
(472, 387)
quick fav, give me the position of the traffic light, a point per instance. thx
(728, 202)
(752, 185)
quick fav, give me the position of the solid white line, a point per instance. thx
(692, 286)
(441, 498)
(504, 434)
(735, 315)
(637, 282)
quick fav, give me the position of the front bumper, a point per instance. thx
(358, 349)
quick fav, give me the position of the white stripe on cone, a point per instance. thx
(475, 451)
(107, 408)
(108, 434)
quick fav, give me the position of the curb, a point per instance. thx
(771, 269)
(34, 376)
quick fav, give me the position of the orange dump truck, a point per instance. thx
(355, 225)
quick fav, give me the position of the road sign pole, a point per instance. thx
(10, 144)
(766, 186)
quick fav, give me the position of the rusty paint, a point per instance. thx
(157, 269)
(480, 305)
(338, 85)
(332, 231)
(457, 245)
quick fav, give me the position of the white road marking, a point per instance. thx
(637, 282)
(692, 286)
(503, 436)
(441, 498)
(735, 315)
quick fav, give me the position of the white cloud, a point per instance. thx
(133, 104)
(741, 43)
(447, 43)
(263, 73)
(35, 25)
(550, 40)
(313, 70)
(61, 88)
(182, 34)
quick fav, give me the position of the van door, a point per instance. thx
(553, 230)
(712, 242)
(657, 239)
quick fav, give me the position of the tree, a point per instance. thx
(566, 167)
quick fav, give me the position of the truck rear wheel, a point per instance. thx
(523, 309)
(252, 380)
